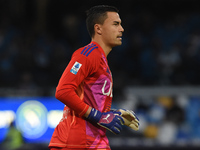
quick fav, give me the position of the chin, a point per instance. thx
(116, 44)
(119, 43)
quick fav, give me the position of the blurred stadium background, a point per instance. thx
(156, 70)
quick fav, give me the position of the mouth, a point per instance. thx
(119, 37)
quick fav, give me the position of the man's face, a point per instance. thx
(112, 30)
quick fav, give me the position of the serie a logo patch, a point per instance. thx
(75, 67)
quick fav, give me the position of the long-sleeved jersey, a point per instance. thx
(86, 81)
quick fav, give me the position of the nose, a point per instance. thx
(121, 28)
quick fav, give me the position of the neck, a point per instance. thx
(105, 47)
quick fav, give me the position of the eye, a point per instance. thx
(115, 23)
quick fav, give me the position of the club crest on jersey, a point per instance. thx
(75, 68)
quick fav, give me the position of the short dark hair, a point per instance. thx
(97, 14)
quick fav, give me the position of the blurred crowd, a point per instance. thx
(164, 120)
(38, 38)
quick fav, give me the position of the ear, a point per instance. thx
(97, 29)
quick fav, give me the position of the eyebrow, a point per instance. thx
(118, 22)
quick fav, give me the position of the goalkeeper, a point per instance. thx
(85, 88)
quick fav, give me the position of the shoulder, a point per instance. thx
(90, 52)
(89, 57)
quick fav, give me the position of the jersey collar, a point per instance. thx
(100, 48)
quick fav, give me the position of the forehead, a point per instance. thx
(112, 16)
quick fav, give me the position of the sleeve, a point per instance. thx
(77, 70)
